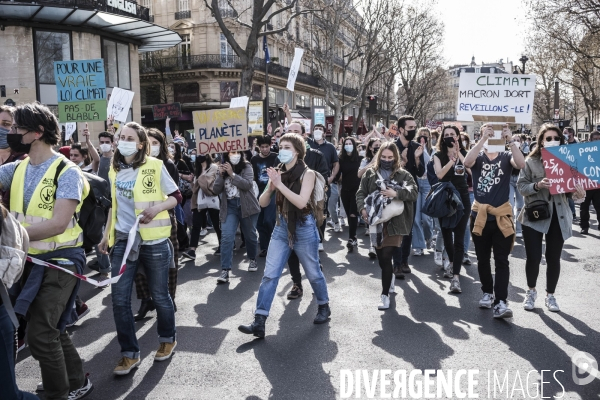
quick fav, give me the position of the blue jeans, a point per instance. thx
(423, 226)
(228, 228)
(515, 195)
(266, 223)
(468, 231)
(10, 390)
(103, 261)
(156, 259)
(306, 247)
(334, 196)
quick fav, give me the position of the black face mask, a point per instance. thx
(449, 141)
(422, 137)
(14, 142)
(410, 135)
(386, 165)
(201, 158)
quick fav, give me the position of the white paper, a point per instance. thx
(294, 69)
(70, 128)
(119, 104)
(237, 102)
(496, 148)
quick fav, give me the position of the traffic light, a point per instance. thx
(372, 99)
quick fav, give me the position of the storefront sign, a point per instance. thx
(221, 131)
(162, 111)
(123, 5)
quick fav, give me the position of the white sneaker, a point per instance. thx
(486, 300)
(342, 221)
(455, 285)
(551, 303)
(501, 310)
(448, 270)
(367, 233)
(417, 252)
(337, 227)
(530, 297)
(372, 253)
(321, 247)
(519, 235)
(437, 258)
(330, 223)
(393, 285)
(253, 267)
(384, 304)
(203, 232)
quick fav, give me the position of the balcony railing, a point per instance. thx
(183, 14)
(228, 13)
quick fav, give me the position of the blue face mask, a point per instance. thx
(348, 148)
(285, 156)
(3, 141)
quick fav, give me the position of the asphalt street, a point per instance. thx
(426, 327)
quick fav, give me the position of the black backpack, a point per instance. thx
(94, 210)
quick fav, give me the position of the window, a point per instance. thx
(227, 59)
(116, 64)
(183, 49)
(50, 46)
(148, 5)
(184, 5)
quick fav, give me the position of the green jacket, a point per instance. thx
(402, 224)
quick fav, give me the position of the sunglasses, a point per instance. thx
(551, 138)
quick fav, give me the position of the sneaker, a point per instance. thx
(405, 268)
(330, 223)
(165, 351)
(295, 292)
(263, 253)
(203, 232)
(466, 259)
(40, 387)
(367, 233)
(530, 297)
(398, 272)
(217, 252)
(448, 271)
(437, 258)
(190, 255)
(323, 314)
(445, 263)
(352, 243)
(486, 300)
(321, 247)
(208, 228)
(224, 277)
(417, 252)
(253, 267)
(83, 391)
(384, 303)
(584, 231)
(455, 285)
(393, 285)
(343, 221)
(372, 253)
(575, 219)
(82, 311)
(430, 243)
(501, 310)
(125, 365)
(338, 227)
(21, 345)
(551, 303)
(519, 234)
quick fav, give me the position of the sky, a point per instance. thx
(487, 29)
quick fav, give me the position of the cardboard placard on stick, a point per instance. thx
(572, 164)
(497, 143)
(221, 131)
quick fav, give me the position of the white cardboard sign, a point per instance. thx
(294, 69)
(119, 104)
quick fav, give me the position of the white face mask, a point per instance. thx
(105, 147)
(362, 153)
(552, 143)
(235, 159)
(318, 134)
(171, 151)
(154, 151)
(81, 164)
(127, 148)
(464, 142)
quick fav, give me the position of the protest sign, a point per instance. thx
(295, 67)
(570, 164)
(239, 102)
(221, 131)
(496, 143)
(81, 90)
(163, 111)
(119, 104)
(255, 118)
(318, 115)
(496, 95)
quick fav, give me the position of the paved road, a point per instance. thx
(425, 328)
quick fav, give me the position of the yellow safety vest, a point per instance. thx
(146, 193)
(41, 207)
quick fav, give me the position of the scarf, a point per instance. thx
(374, 205)
(291, 213)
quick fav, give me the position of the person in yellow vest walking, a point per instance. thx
(141, 188)
(48, 207)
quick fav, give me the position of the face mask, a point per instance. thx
(127, 148)
(286, 156)
(235, 159)
(553, 143)
(318, 134)
(449, 141)
(81, 164)
(105, 147)
(433, 142)
(154, 151)
(193, 158)
(171, 151)
(422, 138)
(362, 153)
(201, 158)
(410, 135)
(386, 165)
(464, 142)
(14, 142)
(3, 142)
(348, 148)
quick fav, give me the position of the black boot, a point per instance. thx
(323, 314)
(256, 328)
(146, 306)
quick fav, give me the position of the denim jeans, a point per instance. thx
(334, 196)
(228, 229)
(423, 226)
(156, 259)
(468, 231)
(306, 247)
(10, 390)
(266, 223)
(516, 195)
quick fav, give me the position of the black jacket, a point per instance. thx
(315, 160)
(411, 165)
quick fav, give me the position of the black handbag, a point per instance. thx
(538, 210)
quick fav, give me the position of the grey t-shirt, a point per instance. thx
(126, 179)
(70, 183)
(104, 167)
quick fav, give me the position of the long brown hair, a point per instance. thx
(394, 149)
(537, 152)
(140, 157)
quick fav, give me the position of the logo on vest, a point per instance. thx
(47, 198)
(149, 184)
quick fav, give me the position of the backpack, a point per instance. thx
(317, 200)
(94, 210)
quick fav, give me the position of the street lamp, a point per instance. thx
(518, 70)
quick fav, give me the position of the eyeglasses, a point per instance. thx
(551, 138)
